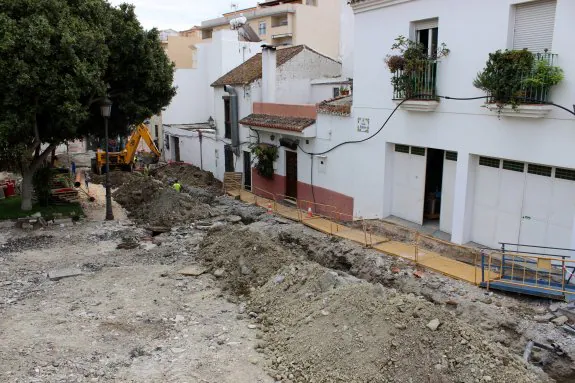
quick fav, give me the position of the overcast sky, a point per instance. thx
(181, 14)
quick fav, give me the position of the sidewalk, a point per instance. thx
(428, 259)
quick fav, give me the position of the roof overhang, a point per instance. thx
(309, 132)
(360, 6)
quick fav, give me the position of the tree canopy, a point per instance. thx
(58, 59)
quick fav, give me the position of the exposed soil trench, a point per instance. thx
(267, 300)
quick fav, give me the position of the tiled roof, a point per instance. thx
(294, 124)
(339, 106)
(251, 70)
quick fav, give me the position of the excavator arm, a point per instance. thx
(141, 132)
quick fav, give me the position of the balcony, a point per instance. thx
(281, 31)
(417, 85)
(519, 93)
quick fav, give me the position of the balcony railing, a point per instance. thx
(530, 92)
(417, 82)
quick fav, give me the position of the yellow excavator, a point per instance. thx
(124, 160)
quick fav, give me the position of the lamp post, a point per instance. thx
(106, 109)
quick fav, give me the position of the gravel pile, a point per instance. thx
(323, 326)
(241, 258)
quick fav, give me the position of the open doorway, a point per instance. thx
(433, 181)
(247, 170)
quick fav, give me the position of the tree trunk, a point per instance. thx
(28, 175)
(27, 189)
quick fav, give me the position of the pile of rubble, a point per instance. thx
(189, 176)
(154, 203)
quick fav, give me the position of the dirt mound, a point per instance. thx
(117, 179)
(325, 326)
(242, 258)
(188, 176)
(155, 204)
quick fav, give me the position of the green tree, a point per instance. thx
(58, 58)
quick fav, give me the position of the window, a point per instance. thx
(565, 174)
(311, 2)
(402, 148)
(262, 28)
(418, 151)
(156, 131)
(335, 92)
(451, 156)
(488, 161)
(514, 166)
(540, 170)
(534, 23)
(227, 122)
(167, 142)
(426, 33)
(207, 33)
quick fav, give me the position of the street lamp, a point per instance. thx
(106, 109)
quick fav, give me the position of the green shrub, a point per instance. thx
(266, 155)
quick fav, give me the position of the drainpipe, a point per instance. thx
(201, 156)
(234, 119)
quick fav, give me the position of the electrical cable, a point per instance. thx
(311, 154)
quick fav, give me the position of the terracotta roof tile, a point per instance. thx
(339, 106)
(251, 70)
(294, 124)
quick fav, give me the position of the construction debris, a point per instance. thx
(55, 275)
(298, 304)
(193, 271)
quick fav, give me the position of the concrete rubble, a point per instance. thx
(229, 293)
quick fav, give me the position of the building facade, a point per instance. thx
(315, 23)
(292, 81)
(480, 172)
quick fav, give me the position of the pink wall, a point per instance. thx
(344, 204)
(287, 110)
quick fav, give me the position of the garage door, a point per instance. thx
(522, 203)
(408, 189)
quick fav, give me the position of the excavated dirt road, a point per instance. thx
(274, 301)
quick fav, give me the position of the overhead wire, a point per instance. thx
(311, 154)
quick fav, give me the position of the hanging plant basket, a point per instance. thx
(266, 155)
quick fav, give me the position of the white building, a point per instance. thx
(295, 75)
(187, 116)
(487, 178)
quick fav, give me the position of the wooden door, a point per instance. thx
(247, 170)
(291, 174)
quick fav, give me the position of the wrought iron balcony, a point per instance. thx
(533, 87)
(416, 82)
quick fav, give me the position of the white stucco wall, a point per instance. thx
(293, 77)
(193, 102)
(364, 171)
(346, 39)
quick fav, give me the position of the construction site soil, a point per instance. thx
(295, 304)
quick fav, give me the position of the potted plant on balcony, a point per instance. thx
(414, 72)
(343, 91)
(518, 82)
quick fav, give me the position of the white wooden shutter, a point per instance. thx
(534, 24)
(425, 24)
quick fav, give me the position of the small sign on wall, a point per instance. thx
(363, 124)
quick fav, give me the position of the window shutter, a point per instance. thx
(534, 24)
(425, 24)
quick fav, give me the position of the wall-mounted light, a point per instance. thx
(211, 122)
